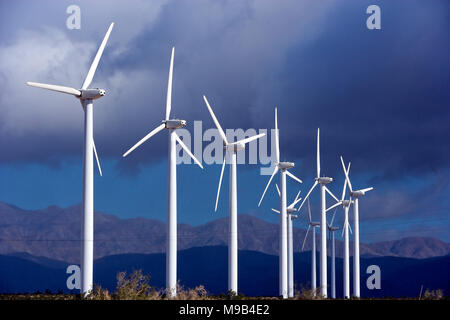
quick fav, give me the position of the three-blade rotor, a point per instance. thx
(167, 118)
(276, 168)
(88, 80)
(227, 145)
(293, 203)
(353, 193)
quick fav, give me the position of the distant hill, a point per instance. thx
(258, 272)
(55, 233)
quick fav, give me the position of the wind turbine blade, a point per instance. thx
(334, 206)
(298, 194)
(331, 194)
(247, 140)
(306, 236)
(278, 190)
(275, 170)
(293, 177)
(295, 202)
(220, 181)
(346, 174)
(277, 141)
(307, 195)
(332, 219)
(346, 224)
(318, 152)
(169, 86)
(345, 183)
(148, 136)
(54, 87)
(366, 189)
(186, 149)
(277, 211)
(96, 158)
(309, 212)
(90, 75)
(216, 122)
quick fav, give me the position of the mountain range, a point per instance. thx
(54, 233)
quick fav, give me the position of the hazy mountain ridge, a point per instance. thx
(55, 233)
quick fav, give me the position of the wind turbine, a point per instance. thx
(331, 230)
(345, 229)
(86, 96)
(313, 249)
(171, 225)
(355, 195)
(322, 181)
(283, 167)
(290, 245)
(231, 149)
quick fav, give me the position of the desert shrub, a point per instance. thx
(306, 293)
(198, 293)
(437, 294)
(99, 293)
(133, 287)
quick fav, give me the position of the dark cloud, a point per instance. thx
(380, 97)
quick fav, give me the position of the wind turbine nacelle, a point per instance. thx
(234, 147)
(324, 180)
(285, 165)
(92, 94)
(357, 194)
(346, 203)
(314, 224)
(174, 123)
(291, 210)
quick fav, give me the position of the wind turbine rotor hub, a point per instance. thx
(174, 123)
(324, 180)
(234, 147)
(285, 165)
(92, 94)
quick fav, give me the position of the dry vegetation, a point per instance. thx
(136, 286)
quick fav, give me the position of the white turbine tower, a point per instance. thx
(171, 224)
(355, 195)
(290, 246)
(322, 181)
(283, 167)
(86, 96)
(313, 249)
(331, 230)
(345, 229)
(231, 150)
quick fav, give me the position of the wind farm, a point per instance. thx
(354, 131)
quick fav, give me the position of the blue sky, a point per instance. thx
(380, 97)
